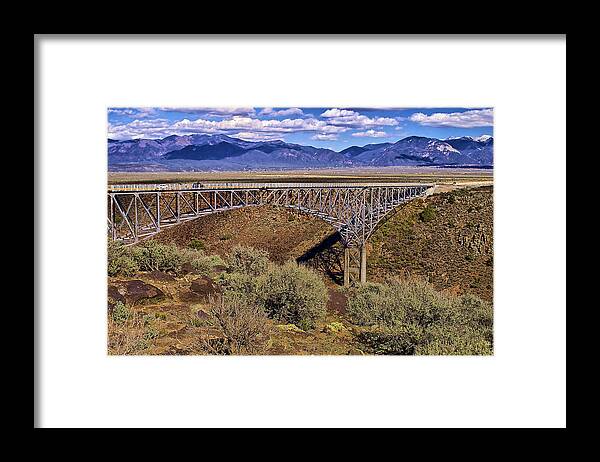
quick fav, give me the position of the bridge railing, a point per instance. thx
(208, 186)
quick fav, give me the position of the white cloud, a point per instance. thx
(467, 119)
(348, 118)
(159, 128)
(335, 112)
(213, 111)
(268, 111)
(139, 112)
(370, 134)
(251, 136)
(324, 137)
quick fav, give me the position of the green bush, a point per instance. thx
(427, 214)
(154, 256)
(241, 285)
(201, 265)
(401, 340)
(120, 313)
(127, 266)
(371, 304)
(413, 318)
(248, 260)
(288, 294)
(204, 264)
(197, 244)
(119, 260)
(293, 294)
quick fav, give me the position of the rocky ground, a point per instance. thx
(165, 315)
(451, 247)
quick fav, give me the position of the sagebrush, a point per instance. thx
(242, 327)
(411, 317)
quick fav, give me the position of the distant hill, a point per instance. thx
(221, 152)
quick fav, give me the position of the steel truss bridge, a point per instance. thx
(137, 211)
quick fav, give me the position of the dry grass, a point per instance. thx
(128, 337)
(241, 328)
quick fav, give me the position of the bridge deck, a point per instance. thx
(211, 186)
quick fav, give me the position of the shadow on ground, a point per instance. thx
(327, 256)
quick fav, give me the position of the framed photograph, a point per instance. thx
(288, 231)
(344, 221)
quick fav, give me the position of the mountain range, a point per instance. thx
(221, 152)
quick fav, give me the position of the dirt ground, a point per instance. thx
(285, 234)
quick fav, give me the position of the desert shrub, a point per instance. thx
(126, 333)
(120, 313)
(241, 285)
(371, 304)
(150, 333)
(248, 260)
(115, 250)
(119, 261)
(243, 327)
(125, 266)
(204, 264)
(201, 265)
(293, 294)
(215, 260)
(401, 340)
(454, 340)
(427, 214)
(197, 244)
(151, 256)
(410, 317)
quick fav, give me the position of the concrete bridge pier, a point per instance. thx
(355, 265)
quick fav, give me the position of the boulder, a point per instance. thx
(189, 296)
(187, 268)
(202, 314)
(204, 286)
(218, 269)
(160, 276)
(114, 296)
(135, 291)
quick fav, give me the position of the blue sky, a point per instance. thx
(331, 127)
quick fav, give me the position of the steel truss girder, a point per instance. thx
(354, 212)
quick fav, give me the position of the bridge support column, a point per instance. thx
(355, 265)
(346, 266)
(363, 263)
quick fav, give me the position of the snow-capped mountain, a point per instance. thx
(202, 152)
